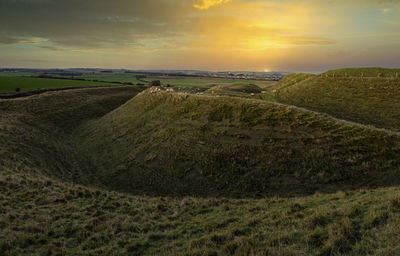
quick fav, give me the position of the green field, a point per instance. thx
(122, 78)
(184, 82)
(237, 170)
(9, 84)
(179, 81)
(17, 74)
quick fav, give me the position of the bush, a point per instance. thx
(155, 83)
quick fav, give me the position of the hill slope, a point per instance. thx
(164, 143)
(368, 96)
(43, 216)
(53, 144)
(34, 131)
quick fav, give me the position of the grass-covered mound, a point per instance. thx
(162, 143)
(235, 88)
(368, 96)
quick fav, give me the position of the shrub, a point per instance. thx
(155, 83)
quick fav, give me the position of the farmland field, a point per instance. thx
(9, 84)
(99, 79)
(174, 81)
(123, 78)
(17, 74)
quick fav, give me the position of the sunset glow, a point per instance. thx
(201, 34)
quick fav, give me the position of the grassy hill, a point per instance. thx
(9, 84)
(368, 96)
(103, 171)
(235, 89)
(178, 144)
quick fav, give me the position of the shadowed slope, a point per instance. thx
(34, 131)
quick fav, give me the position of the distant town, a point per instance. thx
(75, 73)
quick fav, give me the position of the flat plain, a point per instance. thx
(10, 84)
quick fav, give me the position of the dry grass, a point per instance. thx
(223, 176)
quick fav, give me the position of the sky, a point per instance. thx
(217, 35)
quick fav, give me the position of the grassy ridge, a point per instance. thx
(368, 100)
(178, 144)
(364, 72)
(9, 84)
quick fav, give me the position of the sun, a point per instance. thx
(266, 70)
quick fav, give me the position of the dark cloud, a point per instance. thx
(5, 39)
(90, 23)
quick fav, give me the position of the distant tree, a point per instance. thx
(155, 83)
(17, 89)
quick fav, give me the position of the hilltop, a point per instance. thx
(367, 96)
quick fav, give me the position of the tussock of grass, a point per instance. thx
(45, 216)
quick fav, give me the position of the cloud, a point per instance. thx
(205, 4)
(172, 33)
(91, 23)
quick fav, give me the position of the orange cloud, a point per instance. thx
(205, 4)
